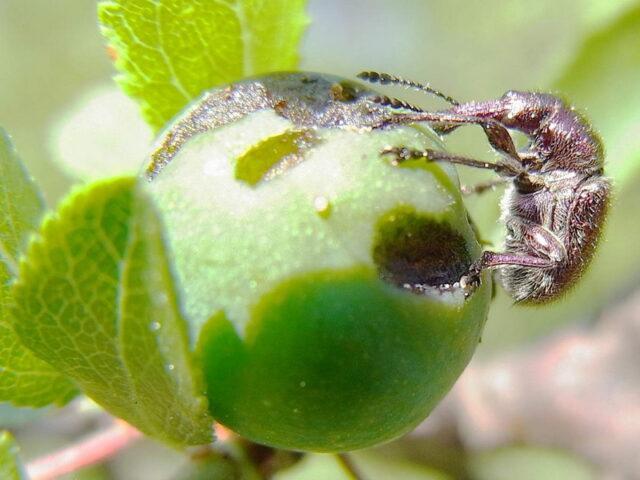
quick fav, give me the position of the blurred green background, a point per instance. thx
(65, 114)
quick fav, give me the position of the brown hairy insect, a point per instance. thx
(557, 197)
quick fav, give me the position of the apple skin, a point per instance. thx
(309, 263)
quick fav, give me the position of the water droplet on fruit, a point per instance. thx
(321, 204)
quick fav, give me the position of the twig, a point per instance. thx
(90, 451)
(348, 465)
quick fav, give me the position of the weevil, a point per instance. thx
(557, 195)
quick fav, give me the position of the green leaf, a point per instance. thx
(170, 51)
(10, 467)
(95, 298)
(315, 467)
(374, 466)
(367, 463)
(24, 379)
(599, 80)
(21, 204)
(528, 463)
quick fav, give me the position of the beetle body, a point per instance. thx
(557, 198)
(557, 212)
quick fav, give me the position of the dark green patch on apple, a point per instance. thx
(334, 361)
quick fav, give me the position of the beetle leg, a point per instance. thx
(496, 133)
(489, 259)
(403, 154)
(480, 188)
(547, 251)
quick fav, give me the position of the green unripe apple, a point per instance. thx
(310, 264)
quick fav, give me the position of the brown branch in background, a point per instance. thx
(579, 391)
(89, 451)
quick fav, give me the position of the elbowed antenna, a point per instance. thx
(388, 79)
(395, 103)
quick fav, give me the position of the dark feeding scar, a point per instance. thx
(418, 253)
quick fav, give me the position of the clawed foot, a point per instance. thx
(471, 281)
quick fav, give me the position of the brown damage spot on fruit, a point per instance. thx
(415, 252)
(308, 100)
